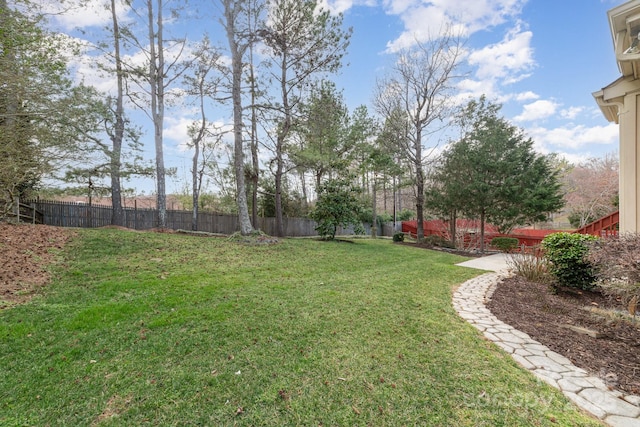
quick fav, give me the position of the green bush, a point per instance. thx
(406, 215)
(337, 205)
(504, 244)
(366, 216)
(568, 263)
(398, 237)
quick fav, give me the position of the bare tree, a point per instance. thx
(203, 83)
(164, 65)
(205, 138)
(592, 189)
(418, 86)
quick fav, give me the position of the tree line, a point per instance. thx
(288, 122)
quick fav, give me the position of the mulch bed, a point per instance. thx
(432, 247)
(25, 252)
(532, 308)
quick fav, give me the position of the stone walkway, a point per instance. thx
(588, 392)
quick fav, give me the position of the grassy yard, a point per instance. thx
(165, 329)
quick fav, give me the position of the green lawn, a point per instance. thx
(166, 329)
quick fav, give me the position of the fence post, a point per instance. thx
(16, 208)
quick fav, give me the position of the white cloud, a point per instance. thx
(72, 14)
(176, 129)
(415, 29)
(510, 60)
(537, 110)
(177, 124)
(576, 159)
(465, 16)
(525, 96)
(398, 7)
(341, 6)
(574, 137)
(478, 15)
(505, 62)
(472, 89)
(571, 112)
(336, 6)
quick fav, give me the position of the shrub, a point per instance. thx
(533, 267)
(337, 205)
(406, 215)
(617, 262)
(384, 218)
(398, 237)
(366, 216)
(567, 256)
(504, 244)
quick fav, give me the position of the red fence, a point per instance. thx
(605, 226)
(468, 231)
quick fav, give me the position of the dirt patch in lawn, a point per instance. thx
(25, 252)
(589, 329)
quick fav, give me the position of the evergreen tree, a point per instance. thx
(493, 174)
(304, 42)
(45, 119)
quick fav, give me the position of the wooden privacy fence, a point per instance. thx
(71, 214)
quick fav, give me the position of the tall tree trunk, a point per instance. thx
(453, 218)
(420, 204)
(196, 173)
(238, 148)
(236, 95)
(374, 220)
(419, 185)
(384, 193)
(303, 186)
(195, 186)
(156, 80)
(395, 210)
(278, 177)
(482, 219)
(117, 216)
(282, 135)
(318, 181)
(255, 164)
(255, 176)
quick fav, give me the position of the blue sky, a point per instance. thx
(542, 62)
(541, 59)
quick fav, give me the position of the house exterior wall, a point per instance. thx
(620, 103)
